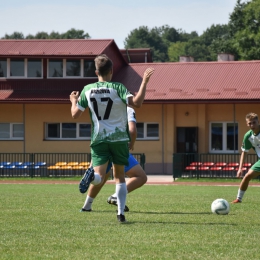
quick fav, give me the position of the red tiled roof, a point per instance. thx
(196, 81)
(62, 47)
(200, 82)
(42, 90)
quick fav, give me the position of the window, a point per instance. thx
(147, 131)
(65, 68)
(34, 68)
(73, 68)
(89, 69)
(21, 68)
(223, 137)
(13, 131)
(68, 131)
(55, 69)
(3, 68)
(17, 68)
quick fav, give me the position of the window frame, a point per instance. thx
(8, 60)
(64, 72)
(66, 139)
(11, 132)
(145, 132)
(224, 133)
(6, 68)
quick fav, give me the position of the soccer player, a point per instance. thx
(251, 140)
(107, 102)
(137, 176)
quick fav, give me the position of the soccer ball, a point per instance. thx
(220, 207)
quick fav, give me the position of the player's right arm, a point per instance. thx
(75, 111)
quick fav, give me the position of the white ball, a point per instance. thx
(97, 179)
(220, 207)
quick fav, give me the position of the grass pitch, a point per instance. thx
(43, 221)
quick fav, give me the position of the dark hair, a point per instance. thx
(103, 64)
(252, 116)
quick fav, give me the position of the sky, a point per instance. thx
(113, 19)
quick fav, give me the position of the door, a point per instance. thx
(187, 140)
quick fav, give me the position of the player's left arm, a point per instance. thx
(133, 134)
(75, 111)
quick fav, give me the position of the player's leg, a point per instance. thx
(121, 191)
(252, 173)
(120, 154)
(137, 178)
(94, 190)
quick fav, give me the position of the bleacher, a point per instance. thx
(212, 169)
(215, 165)
(41, 169)
(48, 164)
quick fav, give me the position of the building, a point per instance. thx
(190, 107)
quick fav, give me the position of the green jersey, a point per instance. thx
(251, 141)
(107, 103)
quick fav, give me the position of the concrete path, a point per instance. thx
(156, 179)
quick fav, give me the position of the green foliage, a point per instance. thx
(236, 18)
(159, 39)
(175, 50)
(245, 25)
(70, 34)
(14, 35)
(75, 34)
(143, 37)
(198, 49)
(164, 222)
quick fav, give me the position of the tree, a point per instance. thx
(70, 34)
(54, 35)
(245, 28)
(236, 18)
(185, 37)
(41, 35)
(14, 35)
(75, 34)
(175, 50)
(198, 50)
(143, 37)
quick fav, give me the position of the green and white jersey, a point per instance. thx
(107, 103)
(131, 115)
(251, 141)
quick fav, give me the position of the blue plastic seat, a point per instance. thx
(21, 167)
(33, 166)
(27, 163)
(40, 164)
(10, 166)
(5, 163)
(16, 163)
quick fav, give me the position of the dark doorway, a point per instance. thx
(187, 139)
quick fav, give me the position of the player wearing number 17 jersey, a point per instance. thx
(107, 102)
(107, 105)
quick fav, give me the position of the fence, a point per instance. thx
(48, 164)
(191, 165)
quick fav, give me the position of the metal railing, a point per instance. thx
(189, 165)
(48, 164)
